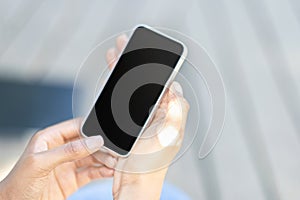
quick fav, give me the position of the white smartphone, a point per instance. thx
(149, 63)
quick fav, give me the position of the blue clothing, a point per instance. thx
(102, 190)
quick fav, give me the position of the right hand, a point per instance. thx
(169, 122)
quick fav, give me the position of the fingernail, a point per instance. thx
(177, 87)
(94, 143)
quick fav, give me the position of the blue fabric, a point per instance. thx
(102, 191)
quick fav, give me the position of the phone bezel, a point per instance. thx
(170, 79)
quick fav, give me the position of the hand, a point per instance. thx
(55, 164)
(162, 139)
(166, 133)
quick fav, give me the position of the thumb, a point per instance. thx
(70, 152)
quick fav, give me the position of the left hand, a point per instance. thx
(55, 164)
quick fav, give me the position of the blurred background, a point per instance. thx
(254, 43)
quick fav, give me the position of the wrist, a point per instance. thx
(142, 186)
(153, 177)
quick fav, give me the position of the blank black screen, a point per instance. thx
(150, 53)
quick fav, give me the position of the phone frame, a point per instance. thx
(170, 79)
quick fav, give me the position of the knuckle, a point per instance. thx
(73, 148)
(38, 134)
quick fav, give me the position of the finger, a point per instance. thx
(88, 161)
(98, 158)
(186, 108)
(152, 130)
(160, 115)
(160, 112)
(169, 96)
(56, 135)
(177, 113)
(176, 89)
(169, 118)
(106, 158)
(175, 118)
(92, 173)
(111, 57)
(69, 152)
(181, 102)
(181, 120)
(177, 105)
(121, 42)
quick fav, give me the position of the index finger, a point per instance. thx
(59, 134)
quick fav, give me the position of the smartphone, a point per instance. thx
(134, 88)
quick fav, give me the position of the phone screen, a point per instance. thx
(133, 88)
